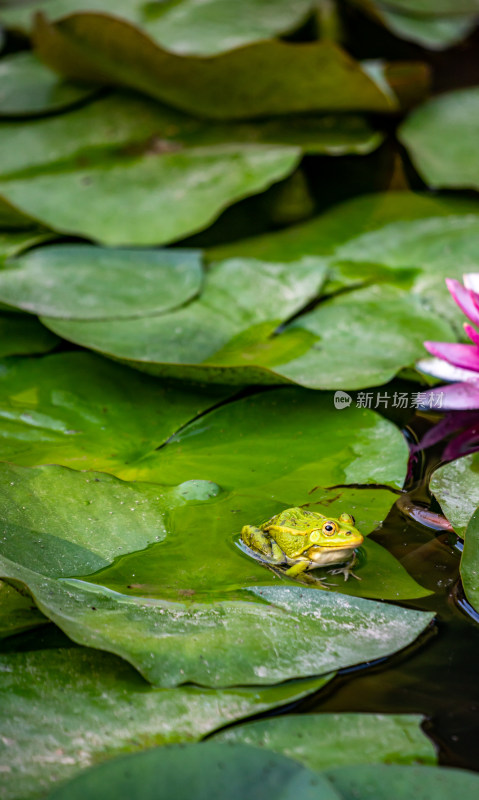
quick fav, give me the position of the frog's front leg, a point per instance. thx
(259, 542)
(297, 569)
(346, 571)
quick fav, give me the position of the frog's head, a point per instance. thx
(336, 533)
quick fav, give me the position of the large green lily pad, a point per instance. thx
(324, 741)
(18, 613)
(224, 643)
(87, 282)
(386, 781)
(441, 138)
(456, 486)
(90, 416)
(317, 350)
(185, 26)
(29, 88)
(94, 706)
(258, 80)
(85, 412)
(215, 770)
(12, 243)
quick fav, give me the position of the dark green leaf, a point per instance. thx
(384, 781)
(18, 612)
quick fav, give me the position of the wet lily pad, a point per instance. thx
(96, 706)
(441, 138)
(12, 243)
(185, 26)
(85, 412)
(87, 282)
(383, 781)
(21, 335)
(258, 80)
(223, 643)
(325, 741)
(470, 562)
(215, 770)
(29, 88)
(317, 350)
(456, 486)
(18, 612)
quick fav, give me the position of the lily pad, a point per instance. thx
(95, 706)
(224, 643)
(122, 123)
(456, 486)
(84, 412)
(184, 26)
(21, 335)
(29, 88)
(434, 32)
(87, 282)
(325, 741)
(18, 612)
(383, 781)
(13, 243)
(441, 138)
(317, 350)
(215, 770)
(258, 80)
(470, 562)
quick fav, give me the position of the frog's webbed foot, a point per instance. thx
(346, 571)
(315, 580)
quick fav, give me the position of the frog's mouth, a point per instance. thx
(342, 545)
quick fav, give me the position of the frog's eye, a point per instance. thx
(329, 528)
(347, 518)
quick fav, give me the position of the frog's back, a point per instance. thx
(296, 518)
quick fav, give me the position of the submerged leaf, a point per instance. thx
(384, 781)
(22, 335)
(215, 770)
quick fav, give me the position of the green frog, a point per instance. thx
(304, 540)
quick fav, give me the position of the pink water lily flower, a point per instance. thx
(458, 363)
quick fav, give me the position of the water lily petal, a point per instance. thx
(462, 445)
(438, 368)
(464, 299)
(452, 422)
(455, 397)
(459, 355)
(471, 281)
(472, 333)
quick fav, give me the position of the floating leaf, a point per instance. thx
(384, 781)
(95, 706)
(470, 562)
(224, 643)
(456, 486)
(15, 242)
(21, 335)
(434, 7)
(441, 138)
(325, 741)
(317, 350)
(29, 88)
(215, 770)
(84, 412)
(87, 282)
(18, 612)
(263, 79)
(185, 26)
(434, 32)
